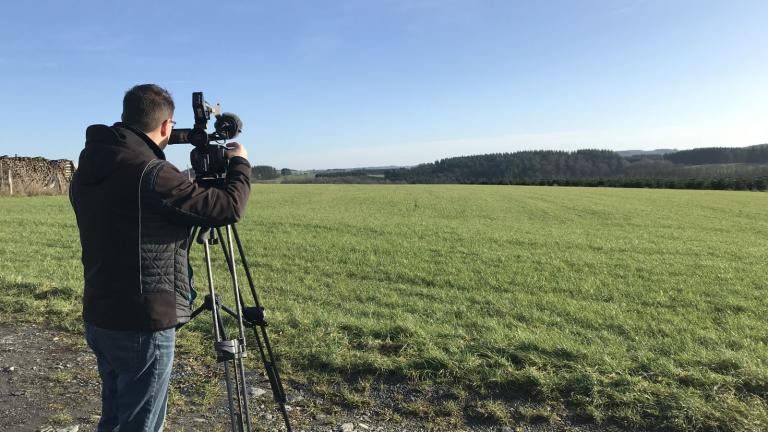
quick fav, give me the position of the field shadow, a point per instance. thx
(29, 301)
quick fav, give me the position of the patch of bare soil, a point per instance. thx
(45, 379)
(49, 382)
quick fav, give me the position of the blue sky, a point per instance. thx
(323, 84)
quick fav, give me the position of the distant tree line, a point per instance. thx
(757, 154)
(500, 168)
(365, 179)
(720, 183)
(350, 173)
(743, 169)
(264, 172)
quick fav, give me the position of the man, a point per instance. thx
(135, 211)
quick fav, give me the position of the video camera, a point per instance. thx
(208, 160)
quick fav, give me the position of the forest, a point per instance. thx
(741, 168)
(719, 168)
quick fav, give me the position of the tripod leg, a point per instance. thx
(230, 377)
(215, 309)
(229, 253)
(192, 234)
(218, 331)
(262, 340)
(234, 350)
(244, 394)
(273, 374)
(234, 416)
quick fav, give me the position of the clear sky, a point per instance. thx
(323, 84)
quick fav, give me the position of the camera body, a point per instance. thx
(208, 158)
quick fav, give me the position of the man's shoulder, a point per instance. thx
(104, 134)
(161, 176)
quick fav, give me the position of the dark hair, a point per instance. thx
(146, 106)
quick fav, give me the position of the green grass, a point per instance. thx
(645, 308)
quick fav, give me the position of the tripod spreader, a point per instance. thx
(254, 316)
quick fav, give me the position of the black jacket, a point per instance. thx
(135, 211)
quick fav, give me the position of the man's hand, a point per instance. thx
(236, 149)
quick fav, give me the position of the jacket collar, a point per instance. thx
(151, 144)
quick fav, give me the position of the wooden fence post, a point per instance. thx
(10, 182)
(59, 180)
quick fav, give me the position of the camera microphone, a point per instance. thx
(228, 125)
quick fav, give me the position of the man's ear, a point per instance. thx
(165, 128)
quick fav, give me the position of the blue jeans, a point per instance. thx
(135, 369)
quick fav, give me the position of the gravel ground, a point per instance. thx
(49, 382)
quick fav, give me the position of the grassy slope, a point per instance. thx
(644, 307)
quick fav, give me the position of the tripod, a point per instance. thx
(232, 351)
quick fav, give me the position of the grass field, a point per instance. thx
(644, 308)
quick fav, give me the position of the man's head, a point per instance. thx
(149, 108)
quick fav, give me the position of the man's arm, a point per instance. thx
(169, 191)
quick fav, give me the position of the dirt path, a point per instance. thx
(45, 379)
(49, 382)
